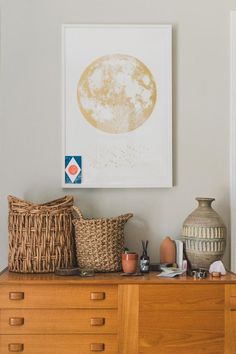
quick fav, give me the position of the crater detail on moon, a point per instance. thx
(116, 93)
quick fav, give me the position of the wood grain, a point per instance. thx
(109, 278)
(183, 332)
(232, 290)
(232, 302)
(184, 297)
(55, 321)
(59, 344)
(187, 342)
(143, 315)
(128, 319)
(228, 339)
(232, 332)
(230, 319)
(59, 296)
(184, 319)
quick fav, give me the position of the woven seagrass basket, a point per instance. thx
(100, 242)
(40, 235)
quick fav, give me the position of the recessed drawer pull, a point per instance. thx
(15, 347)
(16, 295)
(97, 296)
(98, 321)
(97, 347)
(16, 321)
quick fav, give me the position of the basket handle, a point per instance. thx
(66, 201)
(78, 212)
(126, 217)
(23, 205)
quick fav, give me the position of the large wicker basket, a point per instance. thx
(40, 235)
(99, 242)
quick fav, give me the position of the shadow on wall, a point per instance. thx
(136, 230)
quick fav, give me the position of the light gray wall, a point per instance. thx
(30, 126)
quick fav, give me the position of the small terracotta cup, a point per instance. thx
(129, 262)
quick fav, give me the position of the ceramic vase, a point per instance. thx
(167, 251)
(204, 235)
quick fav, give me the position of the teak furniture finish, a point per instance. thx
(113, 314)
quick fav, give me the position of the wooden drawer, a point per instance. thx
(58, 296)
(232, 302)
(233, 290)
(58, 344)
(230, 334)
(53, 321)
(182, 297)
(184, 319)
(182, 332)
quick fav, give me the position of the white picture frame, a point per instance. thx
(117, 106)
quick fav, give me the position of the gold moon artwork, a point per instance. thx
(116, 93)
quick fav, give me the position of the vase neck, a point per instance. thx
(205, 202)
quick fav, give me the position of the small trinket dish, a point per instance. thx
(217, 267)
(82, 272)
(155, 267)
(67, 271)
(86, 272)
(216, 274)
(199, 273)
(138, 274)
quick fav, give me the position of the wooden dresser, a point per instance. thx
(110, 313)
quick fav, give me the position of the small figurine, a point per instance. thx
(144, 259)
(217, 269)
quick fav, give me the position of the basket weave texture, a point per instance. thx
(100, 242)
(40, 235)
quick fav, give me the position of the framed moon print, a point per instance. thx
(117, 106)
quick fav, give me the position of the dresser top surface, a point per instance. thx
(7, 277)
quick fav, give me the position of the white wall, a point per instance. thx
(30, 125)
